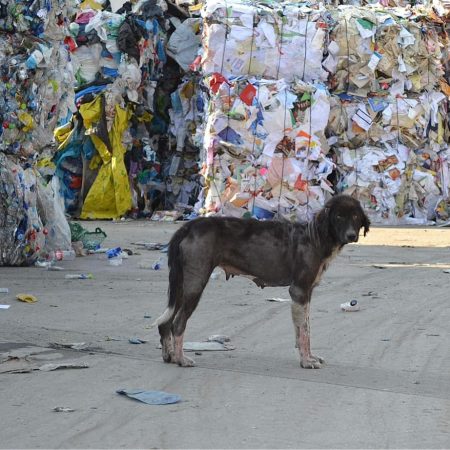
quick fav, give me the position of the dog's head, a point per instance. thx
(345, 218)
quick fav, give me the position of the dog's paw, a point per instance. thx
(167, 356)
(184, 361)
(313, 362)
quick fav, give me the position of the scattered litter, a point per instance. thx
(27, 298)
(150, 397)
(115, 261)
(278, 299)
(155, 265)
(127, 251)
(147, 316)
(50, 367)
(215, 275)
(221, 338)
(112, 338)
(79, 276)
(212, 346)
(151, 245)
(432, 335)
(166, 216)
(4, 306)
(53, 268)
(350, 306)
(377, 266)
(115, 256)
(16, 364)
(72, 345)
(385, 340)
(4, 291)
(135, 340)
(446, 270)
(62, 409)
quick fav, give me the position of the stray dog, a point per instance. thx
(271, 253)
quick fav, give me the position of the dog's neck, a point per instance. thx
(319, 234)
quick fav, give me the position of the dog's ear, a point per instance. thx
(365, 222)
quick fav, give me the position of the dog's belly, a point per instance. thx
(231, 271)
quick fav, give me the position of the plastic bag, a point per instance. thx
(51, 210)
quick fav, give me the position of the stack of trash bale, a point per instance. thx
(36, 94)
(265, 150)
(305, 102)
(388, 120)
(129, 146)
(111, 52)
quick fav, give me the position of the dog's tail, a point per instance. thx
(176, 276)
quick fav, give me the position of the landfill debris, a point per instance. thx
(53, 268)
(72, 345)
(115, 261)
(157, 265)
(369, 80)
(221, 338)
(5, 306)
(212, 346)
(90, 239)
(150, 397)
(62, 409)
(59, 366)
(79, 276)
(26, 298)
(62, 255)
(150, 245)
(112, 110)
(16, 364)
(4, 291)
(350, 306)
(112, 338)
(278, 299)
(215, 275)
(135, 340)
(153, 265)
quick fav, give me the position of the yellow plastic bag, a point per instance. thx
(110, 194)
(26, 298)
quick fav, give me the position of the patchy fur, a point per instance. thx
(271, 253)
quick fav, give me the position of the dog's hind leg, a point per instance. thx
(300, 316)
(191, 297)
(165, 332)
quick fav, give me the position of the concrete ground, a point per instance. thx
(386, 383)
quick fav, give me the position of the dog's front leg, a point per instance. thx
(300, 317)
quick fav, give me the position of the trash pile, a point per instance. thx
(97, 111)
(36, 94)
(127, 148)
(388, 119)
(246, 108)
(307, 101)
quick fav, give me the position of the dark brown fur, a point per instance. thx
(272, 253)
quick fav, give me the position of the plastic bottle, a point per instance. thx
(79, 276)
(115, 261)
(113, 252)
(350, 306)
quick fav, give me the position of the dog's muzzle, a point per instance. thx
(351, 236)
